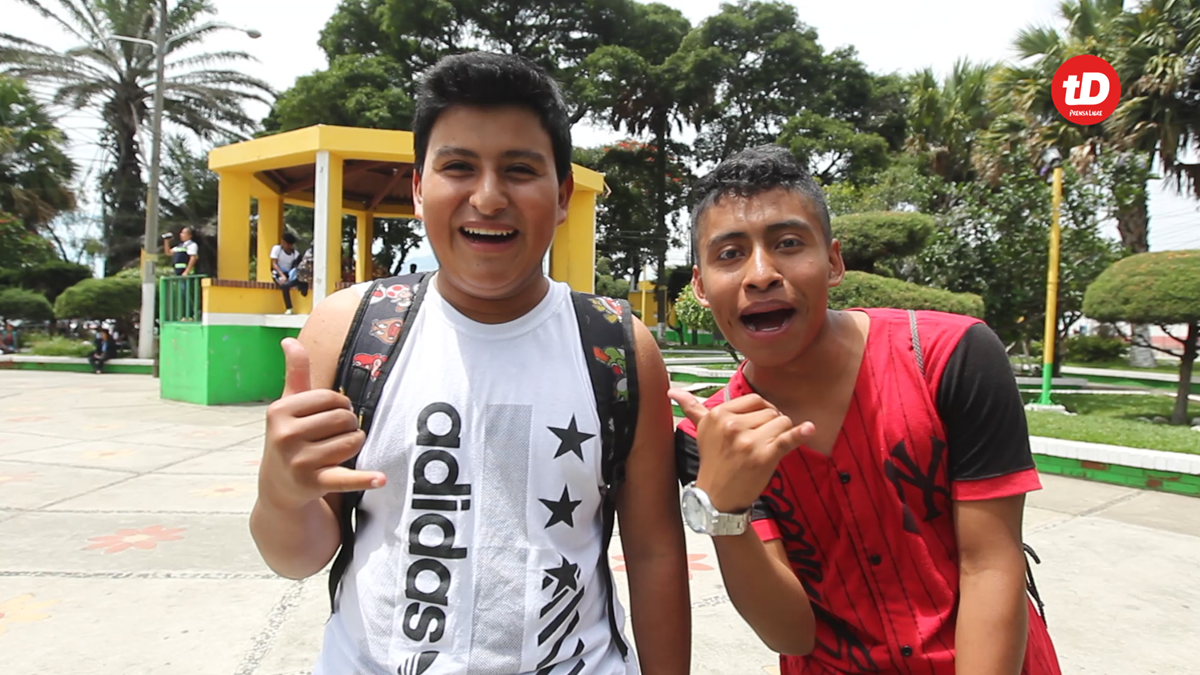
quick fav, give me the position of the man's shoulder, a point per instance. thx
(276, 250)
(934, 328)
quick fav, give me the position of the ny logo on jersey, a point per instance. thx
(905, 469)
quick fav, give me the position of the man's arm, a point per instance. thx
(991, 468)
(297, 541)
(993, 614)
(191, 263)
(651, 526)
(737, 447)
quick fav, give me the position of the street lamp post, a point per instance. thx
(150, 244)
(1051, 333)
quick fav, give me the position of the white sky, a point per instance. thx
(890, 36)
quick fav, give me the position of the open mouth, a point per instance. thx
(487, 235)
(771, 321)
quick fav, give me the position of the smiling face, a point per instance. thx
(490, 198)
(765, 272)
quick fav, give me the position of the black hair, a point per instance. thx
(289, 238)
(491, 80)
(752, 172)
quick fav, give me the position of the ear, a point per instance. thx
(698, 287)
(418, 198)
(565, 191)
(837, 266)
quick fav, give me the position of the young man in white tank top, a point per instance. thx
(489, 399)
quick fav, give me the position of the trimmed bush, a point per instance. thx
(18, 303)
(110, 298)
(61, 346)
(1159, 288)
(53, 277)
(1156, 288)
(867, 238)
(860, 289)
(1094, 348)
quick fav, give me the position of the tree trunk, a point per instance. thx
(1133, 222)
(1180, 415)
(124, 192)
(660, 212)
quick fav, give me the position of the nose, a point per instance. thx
(761, 273)
(490, 196)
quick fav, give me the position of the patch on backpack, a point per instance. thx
(372, 363)
(611, 309)
(615, 359)
(387, 331)
(400, 295)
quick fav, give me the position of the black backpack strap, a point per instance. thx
(1030, 583)
(606, 329)
(376, 337)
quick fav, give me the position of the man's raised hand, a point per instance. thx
(740, 443)
(310, 433)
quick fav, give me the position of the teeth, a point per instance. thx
(487, 233)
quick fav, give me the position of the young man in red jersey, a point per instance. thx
(863, 474)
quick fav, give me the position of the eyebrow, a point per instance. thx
(773, 228)
(454, 151)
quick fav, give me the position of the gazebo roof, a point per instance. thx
(377, 175)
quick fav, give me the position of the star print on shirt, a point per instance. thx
(565, 575)
(563, 510)
(570, 439)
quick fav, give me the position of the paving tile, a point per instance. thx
(108, 455)
(26, 485)
(1074, 496)
(133, 626)
(1159, 511)
(194, 436)
(129, 542)
(238, 461)
(12, 443)
(163, 492)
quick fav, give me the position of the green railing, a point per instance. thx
(179, 298)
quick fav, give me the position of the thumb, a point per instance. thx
(689, 404)
(794, 437)
(296, 368)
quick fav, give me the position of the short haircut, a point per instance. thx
(492, 80)
(289, 238)
(753, 172)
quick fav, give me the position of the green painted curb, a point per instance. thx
(1116, 474)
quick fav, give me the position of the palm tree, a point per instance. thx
(204, 92)
(946, 117)
(35, 171)
(1099, 28)
(1160, 68)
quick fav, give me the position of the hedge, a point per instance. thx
(109, 298)
(18, 303)
(869, 237)
(1148, 288)
(860, 289)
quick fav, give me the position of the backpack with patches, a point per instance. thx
(389, 307)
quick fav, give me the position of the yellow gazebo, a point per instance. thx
(220, 336)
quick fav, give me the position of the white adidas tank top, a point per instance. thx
(481, 553)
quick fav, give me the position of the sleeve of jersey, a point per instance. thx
(984, 416)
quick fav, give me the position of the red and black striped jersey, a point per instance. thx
(869, 530)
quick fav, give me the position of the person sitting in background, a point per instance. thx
(106, 349)
(8, 339)
(285, 269)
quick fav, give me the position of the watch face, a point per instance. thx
(694, 513)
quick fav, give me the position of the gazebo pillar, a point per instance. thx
(573, 253)
(327, 226)
(270, 229)
(233, 226)
(365, 235)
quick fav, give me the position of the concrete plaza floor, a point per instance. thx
(124, 550)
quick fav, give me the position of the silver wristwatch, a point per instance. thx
(699, 514)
